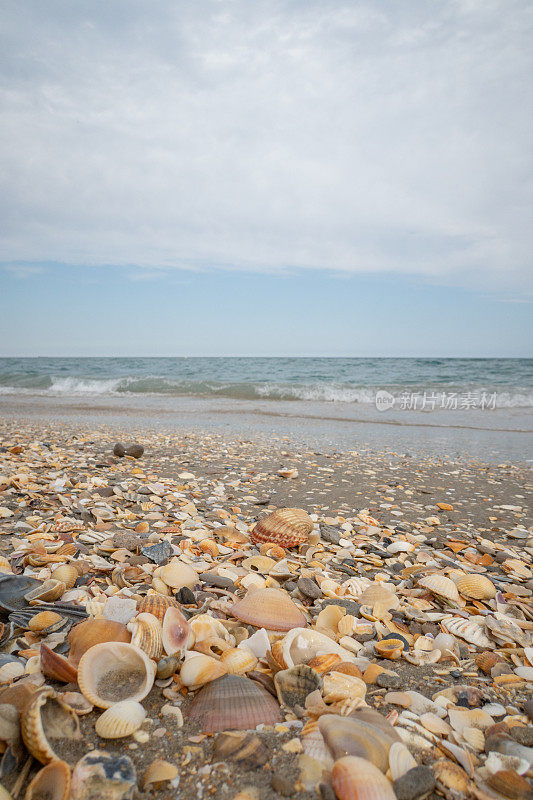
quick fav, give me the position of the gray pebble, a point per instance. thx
(418, 782)
(388, 681)
(282, 785)
(522, 735)
(330, 534)
(309, 588)
(528, 709)
(212, 579)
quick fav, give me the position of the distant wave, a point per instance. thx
(331, 392)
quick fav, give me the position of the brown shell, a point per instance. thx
(272, 609)
(55, 666)
(94, 631)
(323, 664)
(233, 703)
(45, 720)
(157, 605)
(510, 784)
(287, 527)
(51, 783)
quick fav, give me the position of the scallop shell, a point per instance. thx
(176, 634)
(45, 621)
(400, 760)
(238, 661)
(146, 634)
(476, 587)
(199, 669)
(301, 645)
(121, 719)
(156, 604)
(94, 631)
(378, 594)
(441, 586)
(67, 573)
(45, 721)
(365, 734)
(287, 527)
(55, 666)
(114, 671)
(293, 685)
(177, 575)
(466, 629)
(233, 703)
(269, 608)
(357, 779)
(51, 783)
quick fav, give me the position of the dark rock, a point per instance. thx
(282, 785)
(388, 681)
(158, 553)
(212, 579)
(522, 734)
(185, 596)
(350, 605)
(309, 588)
(134, 450)
(289, 586)
(119, 450)
(416, 783)
(330, 534)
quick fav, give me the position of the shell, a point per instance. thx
(176, 634)
(67, 573)
(44, 621)
(103, 776)
(46, 592)
(199, 669)
(510, 784)
(94, 631)
(146, 634)
(77, 702)
(365, 734)
(356, 779)
(177, 575)
(400, 760)
(272, 609)
(157, 773)
(51, 783)
(156, 604)
(238, 661)
(55, 666)
(389, 648)
(323, 664)
(121, 719)
(339, 686)
(293, 685)
(287, 527)
(233, 703)
(204, 626)
(45, 720)
(378, 593)
(441, 586)
(476, 587)
(301, 645)
(466, 629)
(114, 671)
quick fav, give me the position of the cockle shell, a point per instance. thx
(177, 635)
(355, 778)
(379, 594)
(233, 703)
(45, 621)
(94, 631)
(400, 760)
(441, 586)
(67, 573)
(52, 782)
(121, 719)
(477, 587)
(156, 604)
(365, 733)
(146, 634)
(238, 661)
(55, 666)
(199, 669)
(272, 609)
(114, 671)
(466, 629)
(325, 663)
(287, 527)
(47, 592)
(177, 574)
(301, 645)
(45, 721)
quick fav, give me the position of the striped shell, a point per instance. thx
(146, 633)
(355, 778)
(67, 573)
(470, 631)
(441, 586)
(477, 587)
(288, 527)
(233, 703)
(272, 609)
(40, 731)
(52, 782)
(114, 671)
(121, 719)
(238, 661)
(156, 604)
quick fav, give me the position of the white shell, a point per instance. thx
(122, 719)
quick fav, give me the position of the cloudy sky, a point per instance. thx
(219, 158)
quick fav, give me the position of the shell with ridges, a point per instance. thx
(238, 661)
(233, 703)
(204, 626)
(287, 527)
(441, 586)
(115, 671)
(121, 719)
(365, 734)
(400, 760)
(272, 609)
(45, 719)
(178, 575)
(94, 631)
(157, 773)
(156, 604)
(476, 587)
(146, 634)
(355, 778)
(52, 782)
(67, 573)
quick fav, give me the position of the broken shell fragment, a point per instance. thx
(158, 773)
(177, 575)
(238, 661)
(355, 778)
(272, 609)
(365, 734)
(301, 645)
(293, 685)
(108, 776)
(115, 671)
(55, 666)
(52, 782)
(46, 722)
(287, 527)
(121, 719)
(146, 634)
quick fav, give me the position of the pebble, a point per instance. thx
(309, 588)
(158, 553)
(387, 681)
(528, 709)
(418, 782)
(221, 582)
(282, 785)
(135, 450)
(119, 450)
(330, 534)
(522, 734)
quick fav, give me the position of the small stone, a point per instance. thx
(173, 713)
(158, 553)
(416, 783)
(388, 681)
(128, 541)
(292, 746)
(220, 581)
(528, 709)
(245, 749)
(134, 450)
(185, 596)
(351, 606)
(119, 450)
(330, 534)
(282, 785)
(309, 588)
(522, 734)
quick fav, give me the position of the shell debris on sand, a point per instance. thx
(372, 645)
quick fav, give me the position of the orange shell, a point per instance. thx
(272, 609)
(287, 527)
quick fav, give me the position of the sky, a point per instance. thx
(276, 177)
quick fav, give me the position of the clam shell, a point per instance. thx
(400, 760)
(121, 719)
(204, 626)
(272, 609)
(301, 645)
(339, 686)
(44, 621)
(177, 575)
(355, 778)
(67, 573)
(293, 685)
(146, 634)
(287, 527)
(378, 593)
(47, 592)
(510, 784)
(476, 587)
(199, 669)
(45, 721)
(323, 664)
(103, 776)
(157, 773)
(55, 666)
(176, 634)
(441, 586)
(365, 734)
(233, 703)
(238, 661)
(156, 604)
(94, 631)
(114, 671)
(51, 783)
(389, 648)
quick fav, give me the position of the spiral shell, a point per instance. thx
(146, 634)
(238, 661)
(114, 671)
(355, 778)
(121, 719)
(45, 720)
(287, 527)
(477, 587)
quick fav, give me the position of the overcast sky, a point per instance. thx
(270, 136)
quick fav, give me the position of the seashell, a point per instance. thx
(45, 722)
(258, 643)
(46, 592)
(355, 778)
(301, 645)
(103, 776)
(156, 604)
(294, 684)
(322, 664)
(213, 647)
(469, 718)
(435, 724)
(365, 734)
(398, 699)
(177, 575)
(55, 666)
(378, 593)
(67, 574)
(176, 632)
(466, 629)
(474, 737)
(199, 669)
(233, 703)
(499, 761)
(238, 661)
(510, 784)
(476, 587)
(272, 609)
(258, 564)
(346, 625)
(338, 686)
(287, 527)
(423, 658)
(441, 586)
(389, 648)
(121, 719)
(44, 621)
(51, 783)
(356, 586)
(329, 618)
(158, 773)
(451, 779)
(146, 634)
(94, 631)
(204, 626)
(77, 702)
(400, 760)
(114, 671)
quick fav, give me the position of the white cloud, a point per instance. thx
(368, 136)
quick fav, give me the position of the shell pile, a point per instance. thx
(387, 657)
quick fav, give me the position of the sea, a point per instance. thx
(479, 408)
